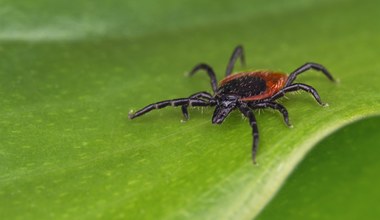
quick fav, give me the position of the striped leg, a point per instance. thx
(274, 106)
(238, 52)
(255, 131)
(296, 87)
(210, 72)
(305, 67)
(199, 95)
(163, 104)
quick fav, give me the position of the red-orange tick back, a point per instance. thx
(245, 91)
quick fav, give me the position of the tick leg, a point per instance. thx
(163, 104)
(255, 131)
(305, 67)
(185, 112)
(210, 72)
(296, 87)
(238, 52)
(275, 106)
(203, 95)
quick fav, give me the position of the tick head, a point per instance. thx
(225, 104)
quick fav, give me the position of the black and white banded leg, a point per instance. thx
(163, 104)
(199, 95)
(296, 87)
(210, 72)
(238, 52)
(305, 67)
(247, 112)
(275, 106)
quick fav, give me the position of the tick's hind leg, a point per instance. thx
(305, 67)
(210, 72)
(163, 104)
(255, 131)
(296, 87)
(275, 106)
(238, 52)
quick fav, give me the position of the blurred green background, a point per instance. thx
(70, 71)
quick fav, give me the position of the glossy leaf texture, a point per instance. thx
(336, 180)
(71, 72)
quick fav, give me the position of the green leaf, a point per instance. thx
(336, 180)
(71, 72)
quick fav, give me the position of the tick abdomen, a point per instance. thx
(255, 85)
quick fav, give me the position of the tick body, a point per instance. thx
(250, 86)
(244, 91)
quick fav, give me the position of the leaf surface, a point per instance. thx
(70, 73)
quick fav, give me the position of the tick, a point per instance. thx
(244, 91)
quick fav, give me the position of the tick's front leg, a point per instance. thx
(275, 106)
(173, 102)
(199, 95)
(255, 131)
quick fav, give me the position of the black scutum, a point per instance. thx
(245, 86)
